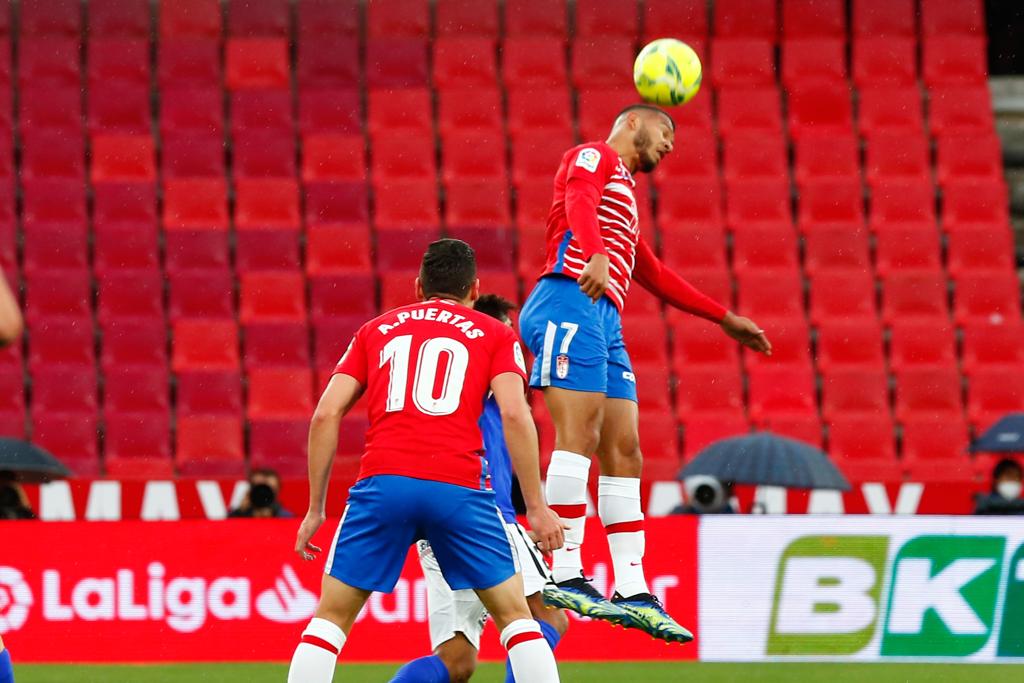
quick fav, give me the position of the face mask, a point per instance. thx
(1009, 490)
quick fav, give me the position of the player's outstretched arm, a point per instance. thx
(670, 287)
(521, 439)
(341, 394)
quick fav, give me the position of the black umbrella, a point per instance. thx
(1005, 436)
(30, 462)
(765, 458)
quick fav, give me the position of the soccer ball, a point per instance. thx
(667, 71)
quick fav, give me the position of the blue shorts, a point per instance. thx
(577, 344)
(386, 514)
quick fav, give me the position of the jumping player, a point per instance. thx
(571, 322)
(426, 369)
(457, 618)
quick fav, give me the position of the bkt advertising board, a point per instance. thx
(861, 588)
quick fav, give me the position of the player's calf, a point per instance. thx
(6, 668)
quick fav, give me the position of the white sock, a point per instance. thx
(531, 656)
(618, 504)
(566, 491)
(317, 654)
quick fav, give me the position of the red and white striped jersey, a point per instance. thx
(600, 165)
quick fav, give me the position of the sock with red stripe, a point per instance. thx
(529, 653)
(6, 669)
(551, 635)
(566, 491)
(618, 504)
(317, 654)
(423, 670)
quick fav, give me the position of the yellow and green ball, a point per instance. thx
(667, 72)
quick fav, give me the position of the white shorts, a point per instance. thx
(461, 611)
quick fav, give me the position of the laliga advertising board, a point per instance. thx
(862, 588)
(233, 591)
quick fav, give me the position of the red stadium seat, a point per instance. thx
(595, 18)
(917, 343)
(131, 294)
(835, 248)
(751, 157)
(195, 203)
(337, 110)
(125, 246)
(53, 155)
(746, 18)
(129, 342)
(710, 390)
(188, 62)
(831, 202)
(852, 344)
(900, 249)
(135, 389)
(884, 61)
(120, 108)
(280, 393)
(123, 158)
(689, 248)
(703, 430)
(272, 297)
(333, 157)
(971, 251)
(960, 110)
(687, 19)
(396, 289)
(533, 62)
(209, 392)
(342, 203)
(266, 203)
(50, 107)
(599, 108)
(765, 249)
(827, 158)
(659, 440)
(973, 204)
(883, 18)
(928, 392)
(546, 18)
(473, 156)
(477, 203)
(695, 204)
(538, 112)
(265, 18)
(993, 392)
(331, 337)
(267, 249)
(49, 61)
(72, 438)
(328, 62)
(749, 110)
(696, 115)
(991, 296)
(60, 340)
(820, 107)
(915, 295)
(537, 154)
(138, 445)
(210, 446)
(972, 158)
(187, 111)
(39, 207)
(601, 61)
(261, 110)
(806, 428)
(742, 62)
(860, 437)
(118, 59)
(758, 203)
(814, 18)
(279, 445)
(201, 294)
(263, 155)
(929, 441)
(895, 109)
(813, 59)
(411, 158)
(5, 54)
(328, 17)
(64, 389)
(407, 204)
(406, 112)
(466, 111)
(698, 160)
(652, 388)
(196, 250)
(205, 345)
(960, 18)
(771, 294)
(128, 18)
(842, 295)
(646, 339)
(791, 345)
(903, 204)
(900, 158)
(50, 247)
(190, 18)
(989, 344)
(697, 343)
(254, 63)
(464, 62)
(855, 390)
(339, 295)
(58, 293)
(398, 18)
(397, 62)
(948, 60)
(494, 247)
(781, 391)
(466, 17)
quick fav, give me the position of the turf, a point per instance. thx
(648, 672)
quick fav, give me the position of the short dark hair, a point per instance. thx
(494, 305)
(448, 267)
(647, 107)
(1005, 466)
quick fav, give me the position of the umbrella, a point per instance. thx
(29, 462)
(765, 458)
(1005, 436)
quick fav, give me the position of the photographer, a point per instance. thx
(1004, 498)
(706, 496)
(261, 501)
(13, 501)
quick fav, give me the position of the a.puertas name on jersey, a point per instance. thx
(442, 316)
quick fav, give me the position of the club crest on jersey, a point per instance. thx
(589, 159)
(562, 366)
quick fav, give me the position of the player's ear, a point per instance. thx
(419, 291)
(474, 290)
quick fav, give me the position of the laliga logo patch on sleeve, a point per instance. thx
(589, 159)
(517, 351)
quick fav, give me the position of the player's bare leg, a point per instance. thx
(315, 657)
(577, 416)
(459, 657)
(6, 669)
(531, 657)
(623, 519)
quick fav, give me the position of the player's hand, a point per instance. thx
(593, 280)
(746, 332)
(546, 528)
(310, 525)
